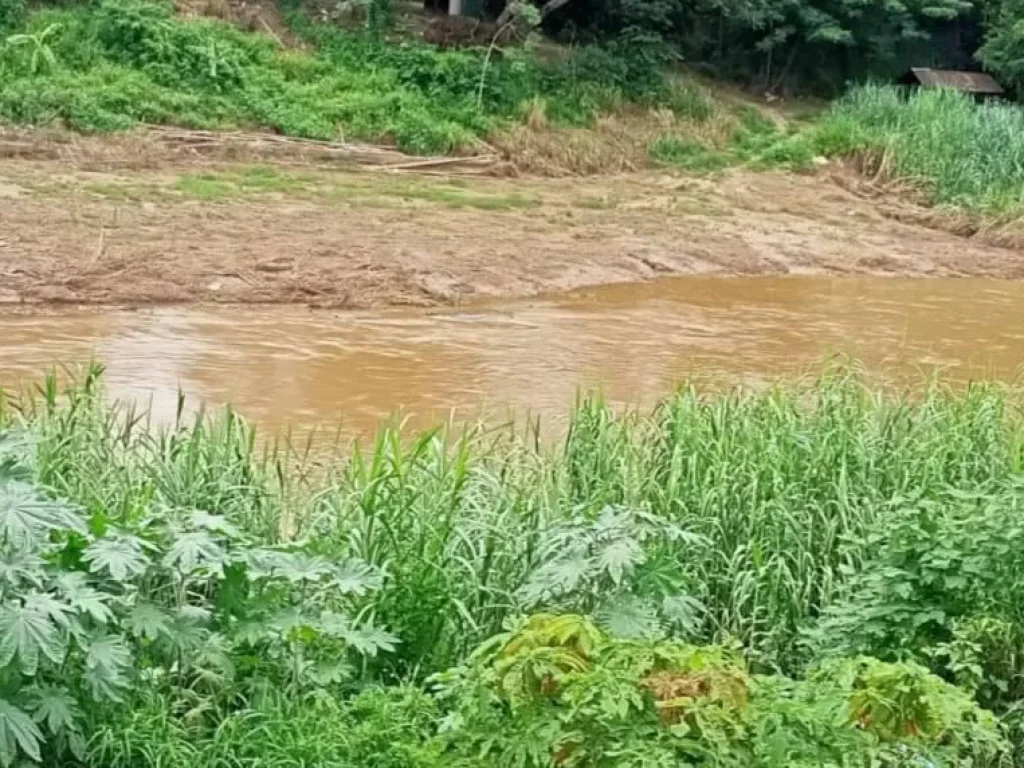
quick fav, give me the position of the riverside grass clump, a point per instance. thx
(953, 151)
(960, 152)
(111, 64)
(814, 575)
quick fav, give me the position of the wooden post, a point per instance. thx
(454, 7)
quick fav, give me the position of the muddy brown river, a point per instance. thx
(298, 367)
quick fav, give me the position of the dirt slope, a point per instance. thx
(233, 233)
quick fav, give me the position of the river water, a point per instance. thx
(301, 368)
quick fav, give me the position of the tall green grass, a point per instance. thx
(961, 152)
(796, 524)
(780, 486)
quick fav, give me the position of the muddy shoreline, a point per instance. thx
(180, 234)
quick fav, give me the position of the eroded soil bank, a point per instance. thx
(193, 231)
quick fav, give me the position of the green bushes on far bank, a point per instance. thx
(819, 575)
(111, 65)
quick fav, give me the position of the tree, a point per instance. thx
(1003, 51)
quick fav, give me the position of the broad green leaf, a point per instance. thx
(683, 612)
(195, 614)
(57, 611)
(335, 624)
(26, 517)
(24, 634)
(149, 621)
(262, 563)
(20, 567)
(186, 637)
(619, 558)
(83, 598)
(354, 577)
(291, 619)
(557, 578)
(365, 639)
(213, 523)
(194, 550)
(55, 706)
(15, 453)
(17, 732)
(629, 617)
(329, 673)
(120, 555)
(106, 663)
(298, 568)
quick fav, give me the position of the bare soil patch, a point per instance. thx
(190, 231)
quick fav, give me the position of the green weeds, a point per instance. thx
(124, 62)
(774, 579)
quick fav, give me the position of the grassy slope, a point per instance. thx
(108, 66)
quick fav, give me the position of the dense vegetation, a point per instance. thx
(960, 152)
(110, 65)
(804, 577)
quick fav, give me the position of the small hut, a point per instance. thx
(977, 84)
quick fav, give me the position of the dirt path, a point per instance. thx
(242, 233)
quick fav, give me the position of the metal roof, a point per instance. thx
(968, 82)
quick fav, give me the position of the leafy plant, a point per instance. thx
(40, 56)
(178, 600)
(556, 690)
(619, 566)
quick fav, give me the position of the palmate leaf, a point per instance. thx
(15, 452)
(628, 616)
(58, 611)
(683, 613)
(556, 578)
(25, 633)
(297, 567)
(20, 568)
(369, 640)
(619, 558)
(83, 598)
(354, 577)
(149, 621)
(324, 673)
(363, 638)
(56, 707)
(26, 517)
(121, 556)
(263, 563)
(213, 523)
(186, 637)
(106, 663)
(17, 732)
(195, 550)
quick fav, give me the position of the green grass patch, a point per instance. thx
(254, 180)
(688, 155)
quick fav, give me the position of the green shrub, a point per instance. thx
(555, 690)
